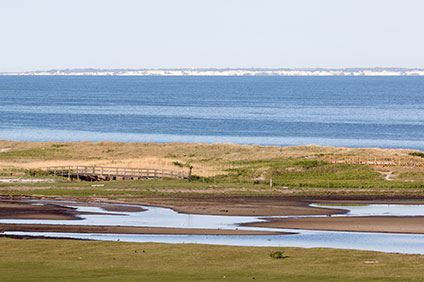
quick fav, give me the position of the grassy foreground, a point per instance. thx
(68, 260)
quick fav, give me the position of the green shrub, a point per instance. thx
(37, 173)
(177, 163)
(417, 154)
(58, 145)
(278, 255)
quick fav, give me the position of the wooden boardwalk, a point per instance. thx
(97, 173)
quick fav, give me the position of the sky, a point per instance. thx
(59, 34)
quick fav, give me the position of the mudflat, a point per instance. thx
(217, 205)
(126, 230)
(25, 208)
(331, 219)
(240, 206)
(385, 224)
(20, 209)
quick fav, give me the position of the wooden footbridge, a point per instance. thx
(97, 173)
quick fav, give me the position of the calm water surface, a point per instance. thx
(341, 111)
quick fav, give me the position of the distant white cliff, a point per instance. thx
(230, 72)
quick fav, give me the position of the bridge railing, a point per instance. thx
(115, 172)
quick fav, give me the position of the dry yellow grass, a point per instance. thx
(206, 159)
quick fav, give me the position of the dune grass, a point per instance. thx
(236, 166)
(207, 159)
(70, 260)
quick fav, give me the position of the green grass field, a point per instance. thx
(68, 260)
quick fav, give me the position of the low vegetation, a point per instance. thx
(230, 168)
(314, 174)
(417, 154)
(278, 255)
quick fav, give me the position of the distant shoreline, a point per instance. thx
(225, 72)
(196, 143)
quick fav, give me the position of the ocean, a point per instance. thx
(385, 112)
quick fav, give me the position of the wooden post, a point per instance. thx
(270, 183)
(189, 172)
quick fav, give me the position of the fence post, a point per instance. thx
(189, 172)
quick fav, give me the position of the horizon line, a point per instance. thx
(192, 71)
(213, 68)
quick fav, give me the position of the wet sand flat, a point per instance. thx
(23, 208)
(234, 206)
(386, 224)
(55, 210)
(240, 206)
(126, 230)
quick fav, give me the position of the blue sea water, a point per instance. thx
(339, 111)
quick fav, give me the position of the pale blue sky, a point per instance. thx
(46, 34)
